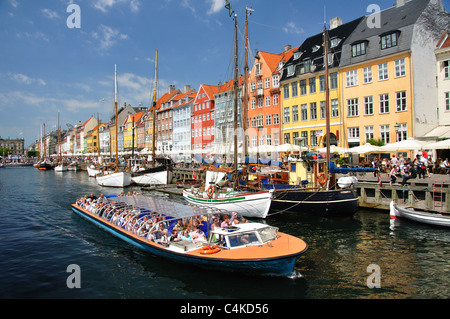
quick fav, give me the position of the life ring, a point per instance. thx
(322, 179)
(210, 191)
(207, 250)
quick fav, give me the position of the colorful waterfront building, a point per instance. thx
(263, 111)
(182, 110)
(129, 131)
(303, 82)
(164, 122)
(388, 73)
(202, 120)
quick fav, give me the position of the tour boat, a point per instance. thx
(425, 216)
(145, 222)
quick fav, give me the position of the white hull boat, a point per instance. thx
(156, 178)
(419, 215)
(113, 179)
(61, 168)
(248, 204)
(92, 171)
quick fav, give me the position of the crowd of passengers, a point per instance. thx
(155, 226)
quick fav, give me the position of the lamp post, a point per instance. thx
(396, 126)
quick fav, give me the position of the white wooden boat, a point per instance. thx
(430, 217)
(114, 179)
(154, 178)
(92, 170)
(61, 168)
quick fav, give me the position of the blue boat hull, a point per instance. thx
(282, 266)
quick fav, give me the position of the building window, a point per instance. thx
(359, 49)
(322, 83)
(267, 83)
(287, 138)
(275, 99)
(385, 135)
(275, 81)
(322, 109)
(333, 81)
(304, 110)
(304, 140)
(290, 70)
(295, 113)
(402, 132)
(352, 78)
(368, 105)
(276, 119)
(260, 102)
(353, 134)
(312, 85)
(287, 115)
(367, 75)
(267, 100)
(389, 40)
(294, 89)
(352, 107)
(334, 108)
(313, 137)
(384, 103)
(303, 87)
(447, 101)
(400, 68)
(400, 99)
(383, 73)
(368, 133)
(269, 120)
(286, 91)
(253, 104)
(313, 110)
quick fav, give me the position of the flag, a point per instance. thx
(193, 175)
(379, 180)
(228, 6)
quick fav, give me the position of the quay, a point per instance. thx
(430, 193)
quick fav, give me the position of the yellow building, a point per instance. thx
(129, 131)
(303, 108)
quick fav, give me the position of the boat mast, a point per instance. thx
(59, 142)
(115, 110)
(98, 137)
(327, 104)
(236, 87)
(154, 112)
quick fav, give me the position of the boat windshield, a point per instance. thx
(233, 237)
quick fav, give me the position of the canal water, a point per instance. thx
(363, 256)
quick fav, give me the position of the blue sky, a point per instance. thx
(46, 67)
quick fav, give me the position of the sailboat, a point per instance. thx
(60, 167)
(156, 175)
(247, 203)
(45, 164)
(323, 197)
(114, 178)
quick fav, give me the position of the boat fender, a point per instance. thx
(210, 191)
(322, 179)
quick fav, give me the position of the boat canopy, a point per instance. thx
(173, 209)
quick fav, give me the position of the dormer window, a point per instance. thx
(389, 40)
(334, 42)
(359, 48)
(297, 55)
(290, 70)
(315, 48)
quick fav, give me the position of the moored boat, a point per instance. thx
(424, 216)
(207, 239)
(114, 179)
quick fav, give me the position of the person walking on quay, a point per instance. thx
(393, 174)
(418, 165)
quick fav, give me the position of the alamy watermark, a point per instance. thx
(74, 19)
(374, 18)
(74, 279)
(374, 279)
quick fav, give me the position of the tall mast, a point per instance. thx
(236, 87)
(98, 137)
(245, 104)
(154, 111)
(327, 103)
(115, 110)
(59, 142)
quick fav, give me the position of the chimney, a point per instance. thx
(335, 22)
(171, 88)
(187, 88)
(287, 47)
(401, 2)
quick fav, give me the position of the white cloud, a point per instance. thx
(291, 27)
(216, 6)
(23, 79)
(105, 5)
(50, 13)
(14, 3)
(108, 36)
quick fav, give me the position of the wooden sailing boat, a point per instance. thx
(156, 175)
(45, 164)
(60, 167)
(248, 204)
(114, 178)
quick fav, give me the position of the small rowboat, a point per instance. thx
(419, 215)
(145, 222)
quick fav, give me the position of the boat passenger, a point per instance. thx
(225, 221)
(185, 235)
(175, 236)
(165, 237)
(198, 236)
(179, 226)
